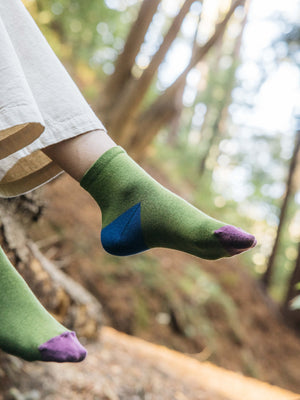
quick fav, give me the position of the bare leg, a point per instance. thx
(76, 155)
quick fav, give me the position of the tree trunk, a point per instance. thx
(70, 304)
(127, 105)
(160, 114)
(126, 60)
(219, 124)
(266, 279)
(163, 110)
(67, 301)
(175, 123)
(293, 316)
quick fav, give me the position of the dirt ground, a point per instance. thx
(120, 367)
(264, 348)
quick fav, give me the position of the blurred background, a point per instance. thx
(227, 75)
(205, 94)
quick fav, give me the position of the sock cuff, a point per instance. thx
(93, 172)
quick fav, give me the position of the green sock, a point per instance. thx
(27, 330)
(138, 214)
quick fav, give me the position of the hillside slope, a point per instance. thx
(120, 367)
(214, 311)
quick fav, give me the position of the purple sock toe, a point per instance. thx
(235, 240)
(63, 348)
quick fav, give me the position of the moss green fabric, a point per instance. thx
(24, 322)
(117, 183)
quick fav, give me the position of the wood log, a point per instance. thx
(65, 299)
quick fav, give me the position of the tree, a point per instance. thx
(163, 110)
(118, 81)
(122, 98)
(218, 109)
(293, 315)
(129, 96)
(267, 276)
(64, 298)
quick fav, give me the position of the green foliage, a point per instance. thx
(92, 30)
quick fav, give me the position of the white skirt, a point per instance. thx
(40, 105)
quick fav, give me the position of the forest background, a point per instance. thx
(205, 95)
(211, 95)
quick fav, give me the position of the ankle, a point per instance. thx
(78, 154)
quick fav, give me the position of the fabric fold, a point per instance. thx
(20, 119)
(40, 105)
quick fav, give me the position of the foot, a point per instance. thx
(27, 330)
(63, 348)
(138, 214)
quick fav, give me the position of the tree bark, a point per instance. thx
(201, 51)
(161, 113)
(130, 100)
(266, 279)
(65, 299)
(163, 110)
(126, 60)
(218, 126)
(293, 316)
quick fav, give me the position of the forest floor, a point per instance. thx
(120, 367)
(153, 297)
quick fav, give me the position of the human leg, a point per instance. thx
(76, 155)
(27, 330)
(137, 212)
